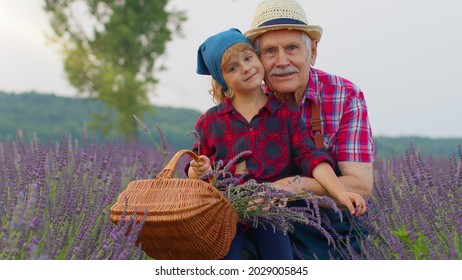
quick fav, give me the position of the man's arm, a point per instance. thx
(356, 177)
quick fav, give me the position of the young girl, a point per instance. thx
(246, 119)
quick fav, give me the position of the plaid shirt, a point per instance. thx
(347, 134)
(276, 136)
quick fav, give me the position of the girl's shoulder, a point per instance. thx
(282, 106)
(213, 113)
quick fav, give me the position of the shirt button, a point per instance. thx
(251, 129)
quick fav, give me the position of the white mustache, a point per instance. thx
(283, 71)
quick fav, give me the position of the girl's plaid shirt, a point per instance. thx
(276, 136)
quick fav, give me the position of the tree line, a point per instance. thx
(49, 116)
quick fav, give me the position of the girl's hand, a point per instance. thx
(354, 202)
(200, 167)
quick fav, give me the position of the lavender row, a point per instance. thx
(55, 201)
(55, 198)
(416, 208)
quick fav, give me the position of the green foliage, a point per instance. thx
(396, 146)
(110, 49)
(417, 246)
(48, 116)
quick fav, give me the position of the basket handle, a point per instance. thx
(169, 169)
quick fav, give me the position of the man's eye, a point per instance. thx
(269, 52)
(292, 48)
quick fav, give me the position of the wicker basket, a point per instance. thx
(186, 218)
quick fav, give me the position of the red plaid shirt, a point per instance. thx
(347, 134)
(276, 136)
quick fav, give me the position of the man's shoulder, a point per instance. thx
(325, 79)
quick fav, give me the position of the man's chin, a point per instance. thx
(285, 89)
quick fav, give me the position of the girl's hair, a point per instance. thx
(217, 91)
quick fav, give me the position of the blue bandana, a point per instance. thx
(211, 52)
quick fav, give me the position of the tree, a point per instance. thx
(110, 49)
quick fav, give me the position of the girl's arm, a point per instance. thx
(325, 175)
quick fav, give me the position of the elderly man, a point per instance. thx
(333, 108)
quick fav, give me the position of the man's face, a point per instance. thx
(286, 61)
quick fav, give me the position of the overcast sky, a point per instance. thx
(404, 54)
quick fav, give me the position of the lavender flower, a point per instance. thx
(55, 202)
(146, 131)
(67, 217)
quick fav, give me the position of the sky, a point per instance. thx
(405, 55)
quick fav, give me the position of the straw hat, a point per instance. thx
(281, 14)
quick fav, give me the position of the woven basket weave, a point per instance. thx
(186, 218)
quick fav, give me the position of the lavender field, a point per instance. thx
(55, 202)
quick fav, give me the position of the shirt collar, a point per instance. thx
(225, 106)
(272, 105)
(311, 91)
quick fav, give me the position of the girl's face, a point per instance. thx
(243, 72)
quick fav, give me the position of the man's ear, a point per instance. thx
(314, 52)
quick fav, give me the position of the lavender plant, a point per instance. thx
(55, 200)
(415, 210)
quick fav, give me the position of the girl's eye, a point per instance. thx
(232, 68)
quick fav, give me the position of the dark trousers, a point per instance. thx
(309, 244)
(269, 245)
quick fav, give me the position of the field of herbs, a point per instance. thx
(55, 201)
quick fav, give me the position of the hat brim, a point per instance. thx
(314, 31)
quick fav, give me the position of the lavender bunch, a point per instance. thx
(264, 205)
